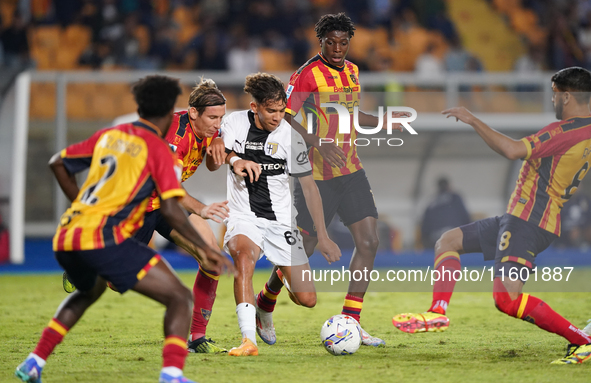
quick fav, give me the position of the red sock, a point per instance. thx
(267, 298)
(52, 335)
(174, 352)
(445, 263)
(536, 311)
(204, 292)
(352, 306)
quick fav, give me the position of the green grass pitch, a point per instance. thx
(120, 339)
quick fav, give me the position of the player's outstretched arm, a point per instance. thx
(216, 154)
(66, 180)
(212, 257)
(244, 168)
(331, 152)
(217, 211)
(497, 141)
(327, 247)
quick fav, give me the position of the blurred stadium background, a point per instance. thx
(76, 60)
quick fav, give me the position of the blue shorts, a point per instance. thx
(123, 265)
(510, 241)
(153, 221)
(348, 195)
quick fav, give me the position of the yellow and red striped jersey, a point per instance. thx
(556, 162)
(125, 163)
(189, 148)
(317, 82)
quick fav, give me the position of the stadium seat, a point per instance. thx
(42, 105)
(273, 60)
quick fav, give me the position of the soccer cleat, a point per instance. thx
(368, 340)
(587, 329)
(204, 346)
(165, 378)
(29, 371)
(67, 285)
(265, 327)
(575, 354)
(423, 322)
(247, 348)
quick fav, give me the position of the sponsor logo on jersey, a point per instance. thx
(254, 145)
(272, 166)
(288, 91)
(302, 158)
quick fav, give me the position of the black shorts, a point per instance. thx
(123, 265)
(510, 241)
(349, 195)
(153, 221)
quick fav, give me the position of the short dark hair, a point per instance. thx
(338, 22)
(155, 95)
(205, 94)
(576, 80)
(265, 87)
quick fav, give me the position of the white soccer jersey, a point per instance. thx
(280, 152)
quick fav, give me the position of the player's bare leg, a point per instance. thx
(302, 290)
(162, 285)
(245, 253)
(68, 313)
(448, 249)
(204, 288)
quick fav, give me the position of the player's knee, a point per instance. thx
(447, 242)
(369, 244)
(307, 299)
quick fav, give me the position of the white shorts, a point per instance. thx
(280, 243)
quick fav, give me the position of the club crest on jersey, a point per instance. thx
(271, 148)
(353, 78)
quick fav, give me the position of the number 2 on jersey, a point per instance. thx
(89, 196)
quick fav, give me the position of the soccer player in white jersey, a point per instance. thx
(263, 150)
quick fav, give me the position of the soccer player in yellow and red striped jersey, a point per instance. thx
(94, 242)
(191, 135)
(555, 161)
(338, 172)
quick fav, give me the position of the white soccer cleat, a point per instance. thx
(368, 340)
(265, 327)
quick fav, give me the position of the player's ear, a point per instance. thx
(193, 114)
(566, 98)
(253, 107)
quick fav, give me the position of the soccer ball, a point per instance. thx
(341, 335)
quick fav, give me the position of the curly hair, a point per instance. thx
(205, 94)
(338, 22)
(156, 95)
(264, 88)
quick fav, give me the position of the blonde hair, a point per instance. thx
(204, 94)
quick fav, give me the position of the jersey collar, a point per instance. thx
(148, 125)
(193, 129)
(325, 62)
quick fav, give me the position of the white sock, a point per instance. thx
(247, 320)
(40, 361)
(172, 371)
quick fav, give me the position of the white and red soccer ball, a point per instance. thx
(341, 335)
